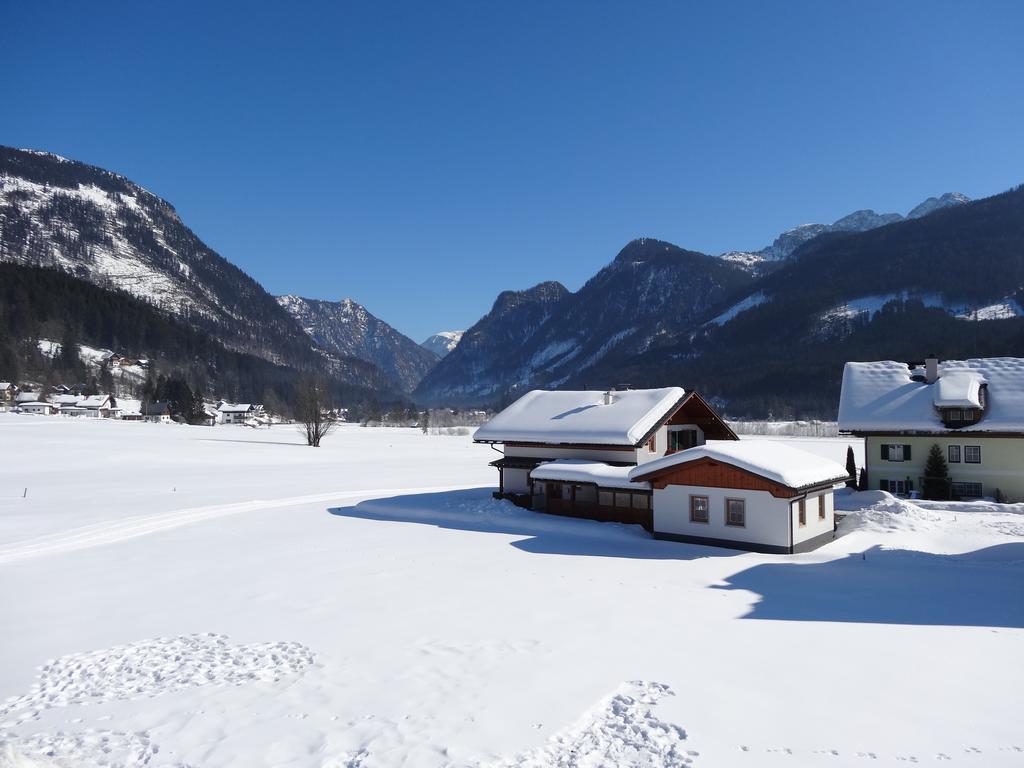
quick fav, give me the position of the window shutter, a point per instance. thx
(885, 453)
(906, 453)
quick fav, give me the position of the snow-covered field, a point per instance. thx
(226, 597)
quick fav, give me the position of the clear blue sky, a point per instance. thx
(421, 157)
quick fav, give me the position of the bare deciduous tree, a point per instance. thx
(313, 410)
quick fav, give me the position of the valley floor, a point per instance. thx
(224, 596)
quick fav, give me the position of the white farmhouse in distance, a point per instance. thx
(238, 413)
(972, 409)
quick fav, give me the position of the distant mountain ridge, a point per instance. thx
(859, 221)
(548, 336)
(345, 327)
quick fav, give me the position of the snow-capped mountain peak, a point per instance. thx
(346, 327)
(443, 342)
(933, 204)
(859, 221)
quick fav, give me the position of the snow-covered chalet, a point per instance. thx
(664, 459)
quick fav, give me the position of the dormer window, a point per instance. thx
(956, 418)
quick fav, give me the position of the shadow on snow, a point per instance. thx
(984, 588)
(475, 510)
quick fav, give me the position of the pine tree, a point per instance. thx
(851, 468)
(936, 474)
(425, 422)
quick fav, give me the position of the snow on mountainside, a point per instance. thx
(100, 227)
(858, 221)
(442, 343)
(933, 204)
(347, 328)
(548, 336)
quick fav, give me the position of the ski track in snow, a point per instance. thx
(129, 528)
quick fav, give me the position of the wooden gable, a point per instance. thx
(711, 473)
(696, 410)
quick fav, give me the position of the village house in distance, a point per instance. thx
(664, 459)
(972, 409)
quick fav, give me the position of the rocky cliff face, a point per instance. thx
(346, 328)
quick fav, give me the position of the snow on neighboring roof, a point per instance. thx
(565, 416)
(239, 408)
(66, 399)
(958, 389)
(580, 471)
(5, 385)
(881, 397)
(770, 459)
(94, 401)
(26, 397)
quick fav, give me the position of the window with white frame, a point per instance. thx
(972, 454)
(967, 490)
(953, 453)
(895, 452)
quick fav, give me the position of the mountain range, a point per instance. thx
(948, 279)
(948, 275)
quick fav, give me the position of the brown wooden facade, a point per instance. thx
(584, 500)
(710, 473)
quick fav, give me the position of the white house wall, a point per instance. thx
(767, 517)
(516, 480)
(815, 526)
(1001, 467)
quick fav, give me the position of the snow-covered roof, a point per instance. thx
(574, 417)
(31, 403)
(66, 399)
(770, 459)
(580, 471)
(4, 385)
(239, 408)
(958, 389)
(881, 396)
(94, 401)
(26, 397)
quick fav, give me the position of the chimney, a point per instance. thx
(609, 397)
(931, 369)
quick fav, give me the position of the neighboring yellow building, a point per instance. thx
(972, 409)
